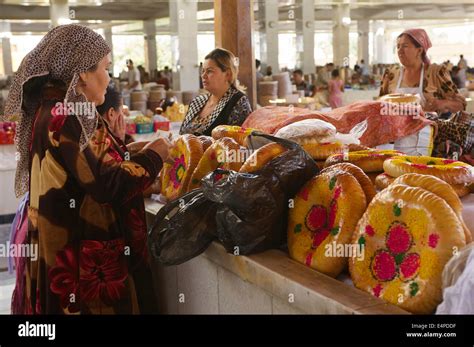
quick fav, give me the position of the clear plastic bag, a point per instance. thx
(354, 135)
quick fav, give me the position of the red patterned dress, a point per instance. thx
(86, 216)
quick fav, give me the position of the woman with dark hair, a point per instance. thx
(86, 214)
(434, 85)
(418, 75)
(225, 103)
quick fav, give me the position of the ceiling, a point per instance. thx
(33, 15)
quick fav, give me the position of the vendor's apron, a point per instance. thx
(420, 143)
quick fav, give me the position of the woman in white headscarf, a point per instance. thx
(86, 215)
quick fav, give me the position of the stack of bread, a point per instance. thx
(315, 136)
(400, 98)
(284, 84)
(267, 90)
(325, 214)
(138, 101)
(192, 158)
(370, 160)
(409, 232)
(458, 174)
(155, 98)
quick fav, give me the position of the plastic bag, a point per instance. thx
(458, 284)
(252, 208)
(354, 135)
(182, 229)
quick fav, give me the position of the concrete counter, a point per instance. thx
(264, 283)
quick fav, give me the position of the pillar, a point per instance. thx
(183, 20)
(269, 34)
(5, 35)
(340, 38)
(109, 40)
(305, 35)
(363, 42)
(233, 25)
(59, 12)
(149, 28)
(379, 42)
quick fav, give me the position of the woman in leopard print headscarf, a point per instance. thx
(86, 217)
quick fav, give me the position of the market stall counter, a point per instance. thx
(265, 283)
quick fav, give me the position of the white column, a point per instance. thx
(59, 12)
(379, 42)
(363, 42)
(269, 34)
(183, 19)
(151, 58)
(340, 37)
(305, 35)
(109, 40)
(5, 34)
(7, 56)
(389, 47)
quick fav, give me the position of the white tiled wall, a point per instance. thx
(197, 285)
(238, 296)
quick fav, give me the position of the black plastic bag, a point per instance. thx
(182, 229)
(252, 208)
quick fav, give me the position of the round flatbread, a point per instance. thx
(408, 234)
(322, 221)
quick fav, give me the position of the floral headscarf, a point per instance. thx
(420, 36)
(62, 54)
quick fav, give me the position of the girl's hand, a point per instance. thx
(120, 127)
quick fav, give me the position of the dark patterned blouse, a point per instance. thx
(232, 109)
(86, 216)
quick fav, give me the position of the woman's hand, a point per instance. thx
(160, 146)
(442, 106)
(431, 105)
(136, 146)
